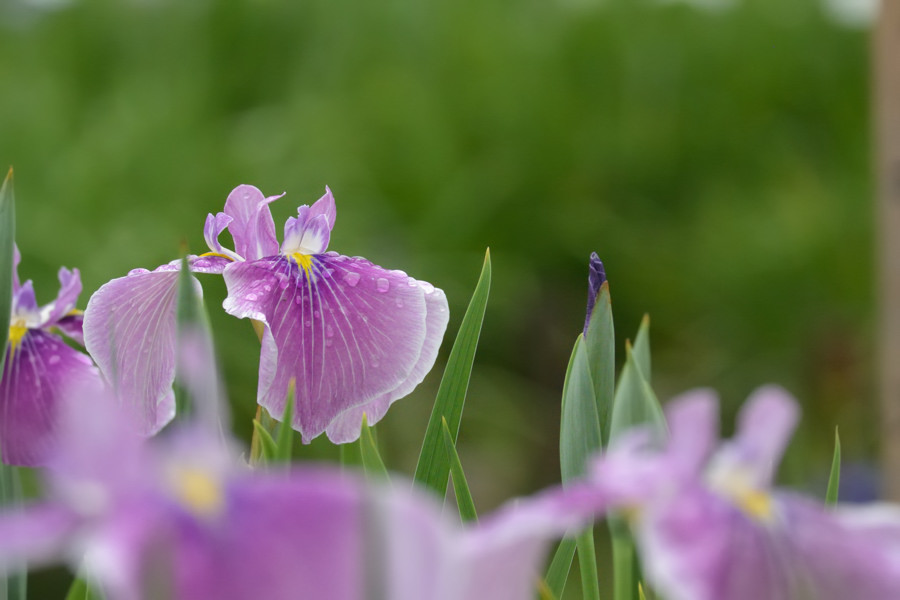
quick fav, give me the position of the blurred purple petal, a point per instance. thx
(37, 372)
(765, 426)
(69, 290)
(252, 227)
(346, 330)
(693, 420)
(346, 427)
(37, 535)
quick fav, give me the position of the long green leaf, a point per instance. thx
(600, 339)
(641, 349)
(7, 244)
(579, 436)
(834, 479)
(267, 447)
(82, 590)
(13, 587)
(433, 467)
(635, 403)
(464, 502)
(284, 440)
(368, 449)
(558, 572)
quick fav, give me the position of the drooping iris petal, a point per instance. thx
(252, 227)
(693, 420)
(72, 326)
(38, 371)
(346, 427)
(69, 290)
(129, 330)
(213, 228)
(24, 300)
(345, 330)
(765, 425)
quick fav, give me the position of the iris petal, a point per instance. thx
(36, 375)
(252, 226)
(345, 330)
(346, 427)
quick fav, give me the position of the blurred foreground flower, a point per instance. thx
(709, 527)
(354, 336)
(178, 517)
(39, 366)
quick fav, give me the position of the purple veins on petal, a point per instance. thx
(346, 427)
(38, 370)
(345, 343)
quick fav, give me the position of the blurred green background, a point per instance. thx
(717, 160)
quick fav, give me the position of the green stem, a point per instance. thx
(623, 567)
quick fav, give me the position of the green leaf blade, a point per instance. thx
(433, 467)
(834, 478)
(600, 339)
(7, 245)
(464, 502)
(580, 436)
(368, 449)
(558, 572)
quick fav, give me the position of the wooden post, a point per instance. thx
(886, 73)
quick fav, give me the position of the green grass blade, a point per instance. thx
(587, 562)
(368, 450)
(558, 572)
(635, 403)
(623, 560)
(600, 339)
(284, 440)
(82, 590)
(7, 243)
(579, 436)
(433, 467)
(834, 479)
(464, 502)
(641, 349)
(267, 446)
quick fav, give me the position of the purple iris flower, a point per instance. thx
(178, 516)
(709, 526)
(38, 366)
(354, 336)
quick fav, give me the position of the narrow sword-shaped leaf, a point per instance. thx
(433, 467)
(82, 590)
(558, 572)
(641, 349)
(368, 449)
(284, 442)
(834, 479)
(579, 439)
(266, 448)
(13, 587)
(600, 339)
(464, 502)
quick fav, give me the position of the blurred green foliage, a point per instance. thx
(718, 161)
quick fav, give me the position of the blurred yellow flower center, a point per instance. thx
(304, 260)
(198, 490)
(16, 332)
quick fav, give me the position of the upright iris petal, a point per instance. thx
(38, 367)
(355, 337)
(708, 524)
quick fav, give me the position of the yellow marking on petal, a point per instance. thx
(304, 260)
(215, 254)
(74, 312)
(756, 504)
(16, 332)
(197, 490)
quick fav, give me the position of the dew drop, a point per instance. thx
(267, 287)
(329, 332)
(307, 323)
(329, 342)
(399, 303)
(375, 364)
(315, 314)
(53, 359)
(382, 285)
(351, 278)
(426, 287)
(250, 297)
(298, 299)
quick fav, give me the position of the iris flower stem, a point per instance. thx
(255, 444)
(623, 567)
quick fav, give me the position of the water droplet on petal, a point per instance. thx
(250, 297)
(412, 282)
(351, 278)
(53, 359)
(382, 285)
(329, 332)
(329, 342)
(316, 314)
(426, 287)
(267, 287)
(375, 364)
(307, 323)
(399, 303)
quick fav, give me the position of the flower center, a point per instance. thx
(17, 331)
(304, 260)
(736, 486)
(197, 490)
